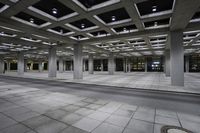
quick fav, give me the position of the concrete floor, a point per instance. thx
(40, 106)
(141, 80)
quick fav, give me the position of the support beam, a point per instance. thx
(61, 65)
(111, 64)
(78, 61)
(177, 58)
(20, 63)
(167, 63)
(52, 66)
(91, 64)
(1, 65)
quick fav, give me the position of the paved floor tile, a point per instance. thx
(71, 118)
(97, 115)
(166, 121)
(84, 111)
(118, 120)
(73, 130)
(144, 116)
(166, 113)
(138, 126)
(5, 121)
(18, 128)
(157, 128)
(94, 106)
(57, 114)
(125, 113)
(128, 107)
(71, 108)
(87, 124)
(108, 128)
(51, 127)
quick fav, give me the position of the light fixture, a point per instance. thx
(31, 20)
(155, 23)
(54, 11)
(125, 30)
(113, 18)
(154, 8)
(82, 25)
(61, 31)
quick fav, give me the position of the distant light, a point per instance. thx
(54, 11)
(125, 29)
(82, 25)
(61, 31)
(155, 23)
(31, 20)
(154, 8)
(113, 18)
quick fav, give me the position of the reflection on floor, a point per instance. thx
(142, 80)
(34, 110)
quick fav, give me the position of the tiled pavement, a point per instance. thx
(33, 110)
(141, 80)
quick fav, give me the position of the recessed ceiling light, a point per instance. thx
(154, 8)
(31, 20)
(113, 18)
(82, 25)
(54, 11)
(155, 23)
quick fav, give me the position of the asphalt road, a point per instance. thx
(181, 102)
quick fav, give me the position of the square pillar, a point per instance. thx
(102, 65)
(61, 65)
(187, 64)
(52, 62)
(91, 64)
(111, 64)
(25, 65)
(2, 65)
(8, 65)
(20, 63)
(145, 64)
(40, 66)
(125, 64)
(78, 61)
(177, 58)
(129, 65)
(167, 63)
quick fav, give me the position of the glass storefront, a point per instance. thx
(155, 64)
(137, 64)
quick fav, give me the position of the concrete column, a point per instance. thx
(124, 64)
(111, 64)
(40, 66)
(91, 64)
(145, 64)
(83, 65)
(25, 65)
(187, 65)
(71, 65)
(61, 65)
(8, 65)
(78, 61)
(167, 63)
(20, 63)
(64, 65)
(102, 65)
(177, 58)
(129, 65)
(52, 62)
(1, 65)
